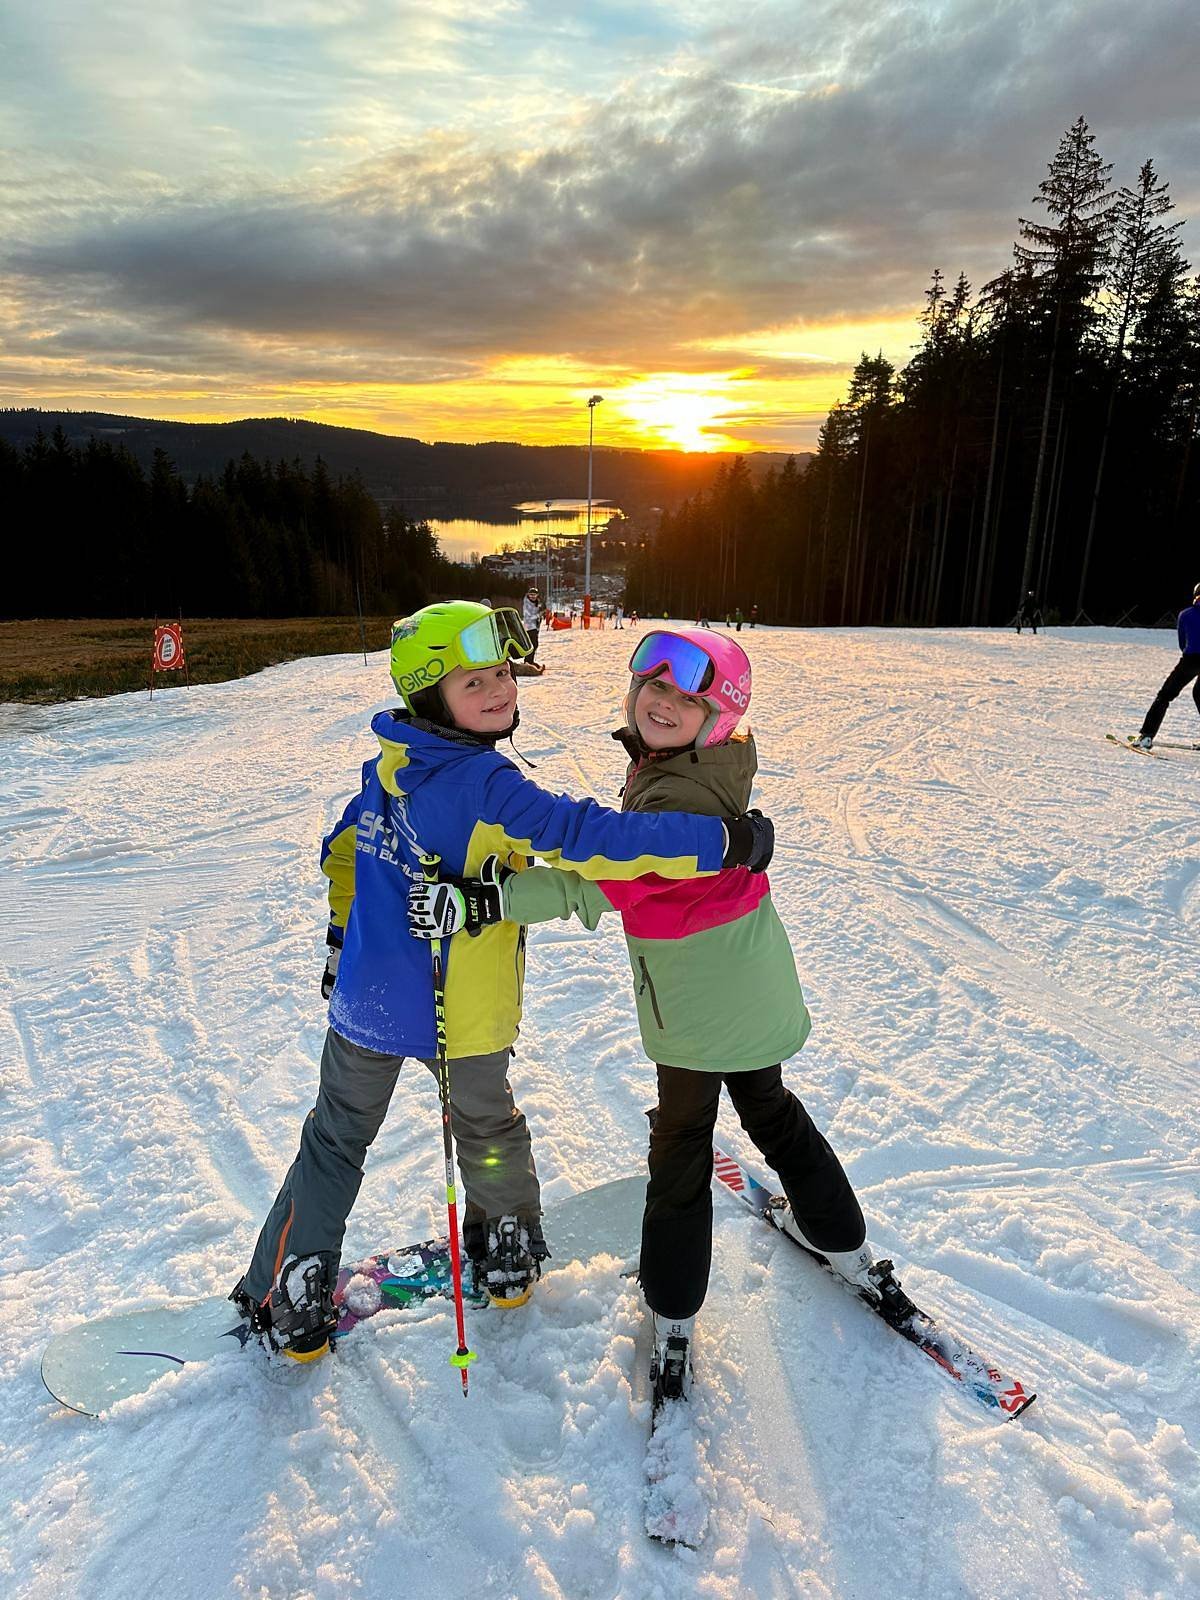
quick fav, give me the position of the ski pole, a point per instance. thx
(462, 1357)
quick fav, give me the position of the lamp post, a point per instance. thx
(549, 603)
(587, 558)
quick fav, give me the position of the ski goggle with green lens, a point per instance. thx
(500, 636)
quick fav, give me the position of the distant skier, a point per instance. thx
(717, 995)
(618, 617)
(754, 616)
(633, 619)
(1029, 612)
(531, 616)
(1185, 671)
(738, 619)
(439, 784)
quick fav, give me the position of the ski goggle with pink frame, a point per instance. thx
(689, 668)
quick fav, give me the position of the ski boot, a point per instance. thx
(506, 1256)
(671, 1360)
(298, 1316)
(873, 1281)
(855, 1267)
(1142, 742)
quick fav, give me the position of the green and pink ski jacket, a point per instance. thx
(712, 965)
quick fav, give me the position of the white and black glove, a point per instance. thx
(458, 905)
(751, 841)
(329, 976)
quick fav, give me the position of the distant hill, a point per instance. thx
(427, 479)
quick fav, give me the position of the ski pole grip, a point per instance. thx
(429, 866)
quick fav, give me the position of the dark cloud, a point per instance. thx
(871, 146)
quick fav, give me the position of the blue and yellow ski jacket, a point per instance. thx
(463, 802)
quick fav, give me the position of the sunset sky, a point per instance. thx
(458, 220)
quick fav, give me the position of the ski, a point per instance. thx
(1134, 749)
(1174, 744)
(981, 1379)
(677, 1472)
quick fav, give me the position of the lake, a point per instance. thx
(515, 525)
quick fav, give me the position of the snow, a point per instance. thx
(995, 917)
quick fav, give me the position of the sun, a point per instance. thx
(676, 409)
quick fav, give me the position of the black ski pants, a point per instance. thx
(1186, 669)
(677, 1224)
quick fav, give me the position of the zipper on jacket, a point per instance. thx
(648, 983)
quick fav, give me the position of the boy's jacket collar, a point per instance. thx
(442, 730)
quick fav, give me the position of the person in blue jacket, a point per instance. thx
(1186, 670)
(440, 787)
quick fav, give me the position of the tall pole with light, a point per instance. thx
(587, 559)
(549, 602)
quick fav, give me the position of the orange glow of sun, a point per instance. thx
(677, 410)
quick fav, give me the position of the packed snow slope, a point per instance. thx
(995, 916)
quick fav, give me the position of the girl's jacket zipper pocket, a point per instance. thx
(648, 983)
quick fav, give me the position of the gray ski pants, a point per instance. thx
(491, 1138)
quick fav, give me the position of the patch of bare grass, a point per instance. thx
(47, 660)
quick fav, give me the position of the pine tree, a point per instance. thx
(1067, 255)
(1144, 252)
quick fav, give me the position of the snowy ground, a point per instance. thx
(995, 917)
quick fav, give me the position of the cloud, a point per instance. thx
(807, 164)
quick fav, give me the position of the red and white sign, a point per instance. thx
(168, 647)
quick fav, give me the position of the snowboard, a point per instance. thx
(92, 1366)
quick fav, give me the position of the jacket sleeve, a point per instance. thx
(337, 863)
(543, 894)
(593, 841)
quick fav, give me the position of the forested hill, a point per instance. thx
(421, 476)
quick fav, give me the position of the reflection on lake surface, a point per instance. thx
(514, 525)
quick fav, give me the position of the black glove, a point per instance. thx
(751, 841)
(329, 976)
(452, 905)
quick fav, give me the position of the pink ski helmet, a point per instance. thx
(697, 661)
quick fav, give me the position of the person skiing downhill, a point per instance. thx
(717, 995)
(1186, 670)
(439, 786)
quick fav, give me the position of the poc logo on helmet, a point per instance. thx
(738, 696)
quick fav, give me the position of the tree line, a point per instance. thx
(93, 534)
(1041, 438)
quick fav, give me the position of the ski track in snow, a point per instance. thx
(994, 916)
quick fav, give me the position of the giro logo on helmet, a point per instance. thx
(424, 677)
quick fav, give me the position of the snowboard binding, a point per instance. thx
(506, 1257)
(298, 1317)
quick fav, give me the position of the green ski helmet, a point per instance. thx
(452, 633)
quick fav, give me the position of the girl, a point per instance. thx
(718, 998)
